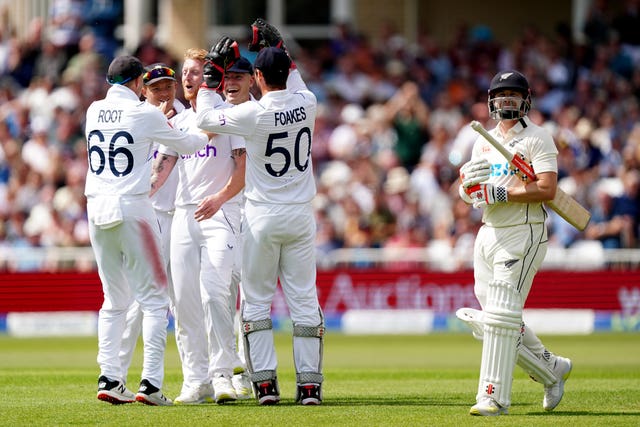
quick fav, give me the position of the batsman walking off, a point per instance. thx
(510, 247)
(279, 228)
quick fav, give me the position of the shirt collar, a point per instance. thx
(121, 91)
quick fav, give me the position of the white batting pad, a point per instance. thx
(498, 361)
(537, 369)
(503, 319)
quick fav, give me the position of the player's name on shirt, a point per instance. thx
(109, 116)
(283, 118)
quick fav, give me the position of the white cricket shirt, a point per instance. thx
(536, 143)
(278, 130)
(121, 131)
(206, 171)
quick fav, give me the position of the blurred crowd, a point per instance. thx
(391, 133)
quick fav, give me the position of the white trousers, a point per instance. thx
(279, 243)
(507, 260)
(202, 260)
(133, 327)
(131, 265)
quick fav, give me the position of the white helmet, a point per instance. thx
(509, 107)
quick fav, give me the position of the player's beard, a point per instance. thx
(190, 95)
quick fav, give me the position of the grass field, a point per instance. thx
(370, 381)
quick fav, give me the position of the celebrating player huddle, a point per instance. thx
(242, 211)
(209, 239)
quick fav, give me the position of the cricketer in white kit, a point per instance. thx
(279, 226)
(510, 247)
(204, 246)
(121, 132)
(163, 200)
(203, 253)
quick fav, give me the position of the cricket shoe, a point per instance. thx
(224, 391)
(267, 392)
(114, 392)
(309, 394)
(553, 393)
(487, 407)
(195, 395)
(151, 395)
(242, 385)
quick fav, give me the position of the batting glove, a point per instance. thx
(487, 194)
(221, 56)
(474, 172)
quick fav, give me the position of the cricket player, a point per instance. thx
(279, 227)
(159, 89)
(238, 81)
(204, 241)
(121, 132)
(510, 247)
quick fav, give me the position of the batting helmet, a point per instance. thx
(508, 107)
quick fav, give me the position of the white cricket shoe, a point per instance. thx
(242, 385)
(195, 395)
(487, 407)
(224, 391)
(553, 393)
(151, 395)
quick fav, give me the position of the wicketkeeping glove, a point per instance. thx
(487, 194)
(221, 56)
(264, 35)
(474, 172)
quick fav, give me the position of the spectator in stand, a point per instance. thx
(410, 119)
(614, 222)
(149, 50)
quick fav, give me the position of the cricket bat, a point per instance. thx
(563, 204)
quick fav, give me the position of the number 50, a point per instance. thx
(304, 133)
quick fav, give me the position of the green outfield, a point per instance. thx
(370, 381)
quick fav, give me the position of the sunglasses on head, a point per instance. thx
(157, 72)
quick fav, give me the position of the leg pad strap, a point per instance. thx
(261, 376)
(309, 377)
(258, 325)
(308, 331)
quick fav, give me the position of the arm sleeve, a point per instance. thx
(163, 133)
(163, 149)
(295, 82)
(208, 101)
(544, 156)
(238, 120)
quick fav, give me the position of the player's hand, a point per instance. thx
(224, 53)
(487, 194)
(474, 172)
(208, 207)
(264, 35)
(221, 56)
(212, 75)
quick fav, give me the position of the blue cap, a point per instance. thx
(123, 69)
(273, 61)
(242, 65)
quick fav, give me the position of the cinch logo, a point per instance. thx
(207, 151)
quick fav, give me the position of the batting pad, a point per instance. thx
(503, 319)
(536, 368)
